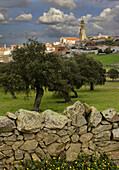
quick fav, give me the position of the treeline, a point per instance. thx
(32, 69)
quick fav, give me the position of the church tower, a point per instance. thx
(82, 34)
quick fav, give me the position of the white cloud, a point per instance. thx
(2, 16)
(55, 16)
(24, 18)
(1, 36)
(5, 22)
(64, 4)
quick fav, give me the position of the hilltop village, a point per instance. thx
(100, 44)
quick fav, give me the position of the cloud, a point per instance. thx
(31, 34)
(64, 4)
(14, 3)
(2, 16)
(1, 36)
(24, 18)
(5, 22)
(55, 16)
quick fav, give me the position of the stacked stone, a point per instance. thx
(26, 134)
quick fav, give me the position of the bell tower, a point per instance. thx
(82, 34)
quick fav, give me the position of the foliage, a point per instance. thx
(100, 51)
(107, 51)
(92, 71)
(84, 162)
(113, 73)
(37, 69)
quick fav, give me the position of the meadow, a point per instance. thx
(103, 97)
(107, 59)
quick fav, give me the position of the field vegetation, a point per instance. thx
(103, 97)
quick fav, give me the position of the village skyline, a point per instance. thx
(49, 20)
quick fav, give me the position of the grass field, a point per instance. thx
(103, 97)
(107, 59)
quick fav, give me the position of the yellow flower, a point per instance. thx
(59, 158)
(21, 166)
(39, 160)
(58, 168)
(21, 160)
(11, 162)
(70, 167)
(34, 159)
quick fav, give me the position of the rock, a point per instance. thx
(11, 115)
(16, 132)
(103, 136)
(28, 136)
(115, 125)
(82, 130)
(40, 153)
(9, 143)
(29, 121)
(62, 133)
(75, 138)
(114, 155)
(35, 157)
(105, 123)
(110, 115)
(8, 161)
(73, 151)
(115, 134)
(8, 153)
(87, 109)
(76, 113)
(20, 137)
(17, 144)
(84, 145)
(105, 143)
(54, 120)
(86, 137)
(55, 148)
(50, 139)
(41, 143)
(71, 130)
(10, 138)
(27, 156)
(18, 154)
(6, 125)
(5, 147)
(91, 145)
(101, 128)
(64, 139)
(29, 145)
(76, 108)
(110, 147)
(2, 155)
(41, 135)
(95, 118)
(6, 134)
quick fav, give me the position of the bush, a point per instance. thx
(84, 162)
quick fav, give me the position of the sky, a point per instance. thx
(48, 20)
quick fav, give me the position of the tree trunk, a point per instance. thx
(67, 97)
(76, 94)
(39, 95)
(13, 95)
(91, 86)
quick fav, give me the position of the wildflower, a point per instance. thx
(39, 160)
(34, 159)
(59, 158)
(70, 167)
(54, 157)
(21, 166)
(12, 163)
(58, 168)
(21, 160)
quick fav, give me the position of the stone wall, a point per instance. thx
(28, 134)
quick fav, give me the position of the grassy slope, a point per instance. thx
(107, 59)
(103, 97)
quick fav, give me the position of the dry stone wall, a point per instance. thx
(28, 134)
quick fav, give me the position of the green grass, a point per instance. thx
(103, 97)
(107, 59)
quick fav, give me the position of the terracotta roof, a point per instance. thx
(70, 38)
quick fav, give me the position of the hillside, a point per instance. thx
(107, 59)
